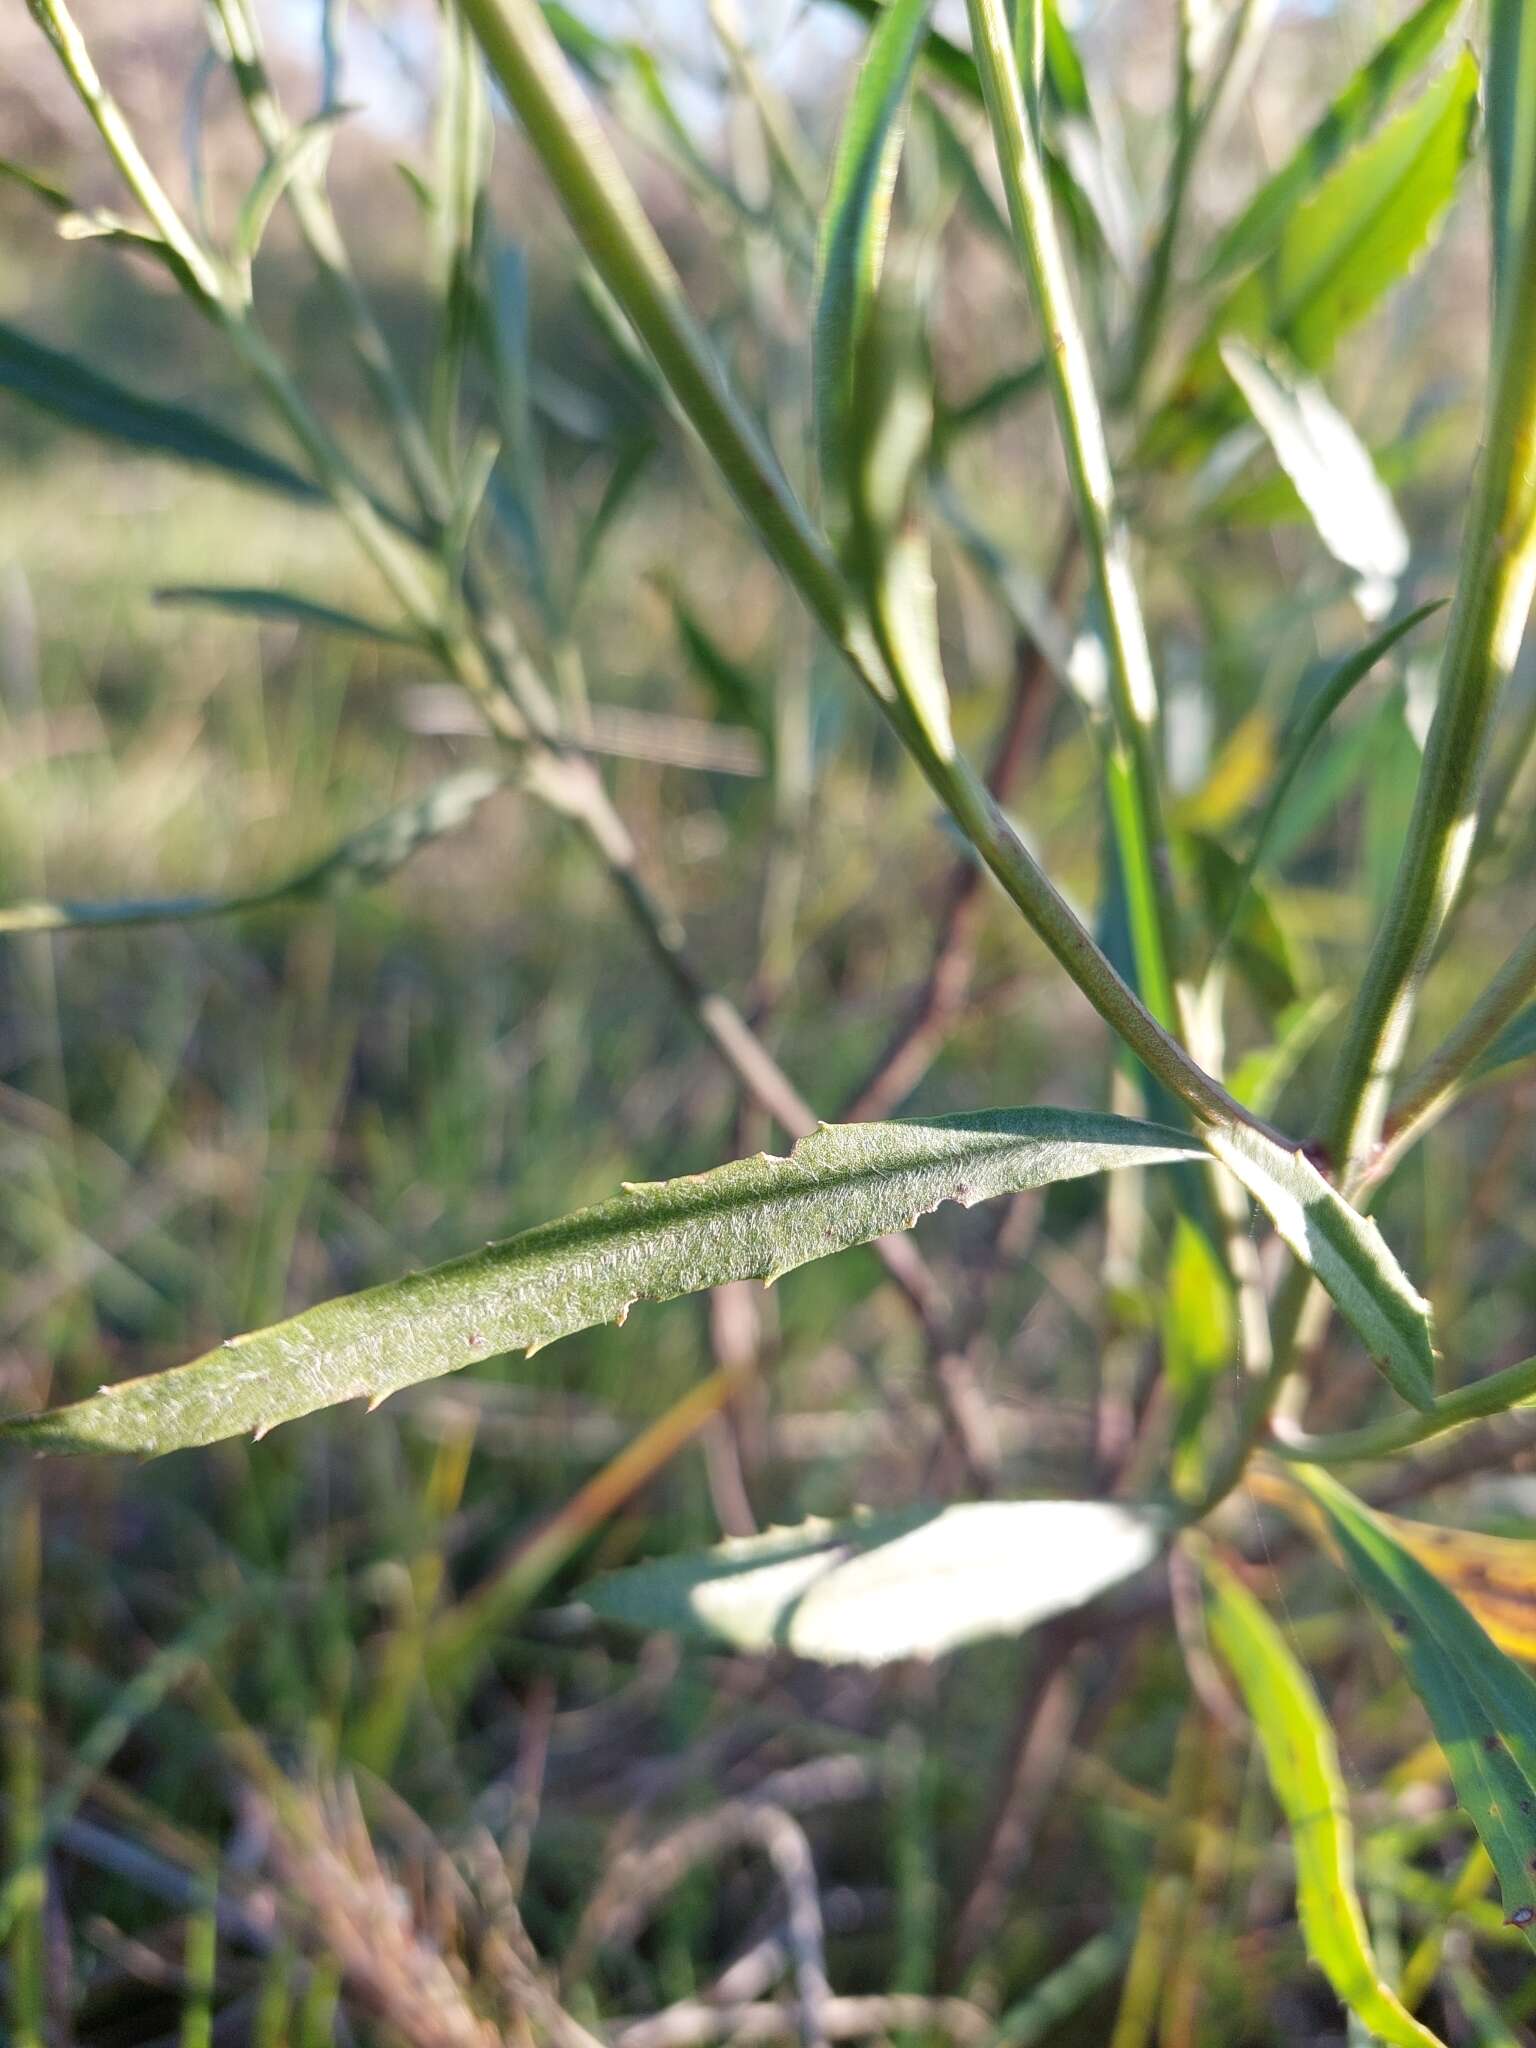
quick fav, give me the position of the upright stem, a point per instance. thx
(1487, 624)
(1135, 795)
(615, 233)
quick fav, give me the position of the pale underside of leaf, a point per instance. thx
(917, 1583)
(754, 1219)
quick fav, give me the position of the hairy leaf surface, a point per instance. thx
(754, 1219)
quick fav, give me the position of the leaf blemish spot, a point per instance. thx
(1521, 1917)
(1492, 1743)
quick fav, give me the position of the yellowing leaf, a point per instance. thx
(1494, 1577)
(1237, 775)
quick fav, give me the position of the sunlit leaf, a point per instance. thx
(1493, 1576)
(1324, 458)
(1345, 1250)
(1481, 1704)
(915, 1583)
(364, 858)
(1356, 236)
(851, 247)
(1302, 1759)
(1348, 120)
(754, 1219)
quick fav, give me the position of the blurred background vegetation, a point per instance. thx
(205, 1127)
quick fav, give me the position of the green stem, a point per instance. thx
(1487, 624)
(1135, 797)
(1429, 1093)
(629, 258)
(616, 235)
(1514, 1387)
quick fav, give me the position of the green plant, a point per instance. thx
(1327, 236)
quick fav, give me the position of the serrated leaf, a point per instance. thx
(917, 1583)
(284, 607)
(1339, 251)
(1348, 120)
(362, 859)
(1302, 1760)
(61, 384)
(851, 245)
(1346, 1252)
(1481, 1704)
(754, 1219)
(1325, 459)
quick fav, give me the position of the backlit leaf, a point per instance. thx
(1302, 1759)
(915, 1583)
(754, 1219)
(1482, 1705)
(1348, 120)
(1339, 251)
(1493, 1576)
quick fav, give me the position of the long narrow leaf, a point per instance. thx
(914, 1583)
(1482, 1705)
(852, 242)
(754, 1219)
(61, 384)
(362, 859)
(282, 607)
(1308, 1783)
(1348, 120)
(1304, 735)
